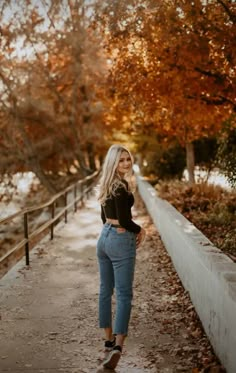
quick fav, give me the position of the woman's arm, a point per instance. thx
(103, 217)
(123, 212)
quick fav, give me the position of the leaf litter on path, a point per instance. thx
(163, 317)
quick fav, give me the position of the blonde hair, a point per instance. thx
(110, 179)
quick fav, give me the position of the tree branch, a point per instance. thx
(210, 73)
(231, 15)
(220, 100)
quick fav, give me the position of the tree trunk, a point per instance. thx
(190, 162)
(91, 157)
(43, 178)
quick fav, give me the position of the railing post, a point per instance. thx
(26, 234)
(65, 198)
(75, 195)
(53, 214)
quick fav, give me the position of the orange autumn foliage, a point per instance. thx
(172, 66)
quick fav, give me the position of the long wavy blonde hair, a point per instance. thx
(110, 179)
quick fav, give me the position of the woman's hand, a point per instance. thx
(140, 237)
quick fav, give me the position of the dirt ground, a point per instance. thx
(48, 313)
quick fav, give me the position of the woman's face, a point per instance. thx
(125, 163)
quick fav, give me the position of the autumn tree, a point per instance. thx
(172, 67)
(52, 83)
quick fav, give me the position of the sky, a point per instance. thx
(14, 12)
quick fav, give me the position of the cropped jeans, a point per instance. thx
(116, 254)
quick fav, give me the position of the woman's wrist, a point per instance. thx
(141, 236)
(143, 232)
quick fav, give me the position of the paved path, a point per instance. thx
(48, 313)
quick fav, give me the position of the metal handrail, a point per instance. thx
(87, 182)
(53, 199)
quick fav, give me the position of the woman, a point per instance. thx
(116, 250)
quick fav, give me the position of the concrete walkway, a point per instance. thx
(48, 313)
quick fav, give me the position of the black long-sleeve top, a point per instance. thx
(119, 207)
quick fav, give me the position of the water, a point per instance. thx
(23, 182)
(214, 177)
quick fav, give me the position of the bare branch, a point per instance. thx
(231, 15)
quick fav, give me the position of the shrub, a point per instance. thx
(226, 156)
(209, 207)
(167, 162)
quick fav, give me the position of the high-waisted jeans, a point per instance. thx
(116, 254)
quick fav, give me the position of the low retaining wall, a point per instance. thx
(206, 273)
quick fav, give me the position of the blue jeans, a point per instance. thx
(116, 254)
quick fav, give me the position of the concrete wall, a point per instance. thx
(207, 273)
